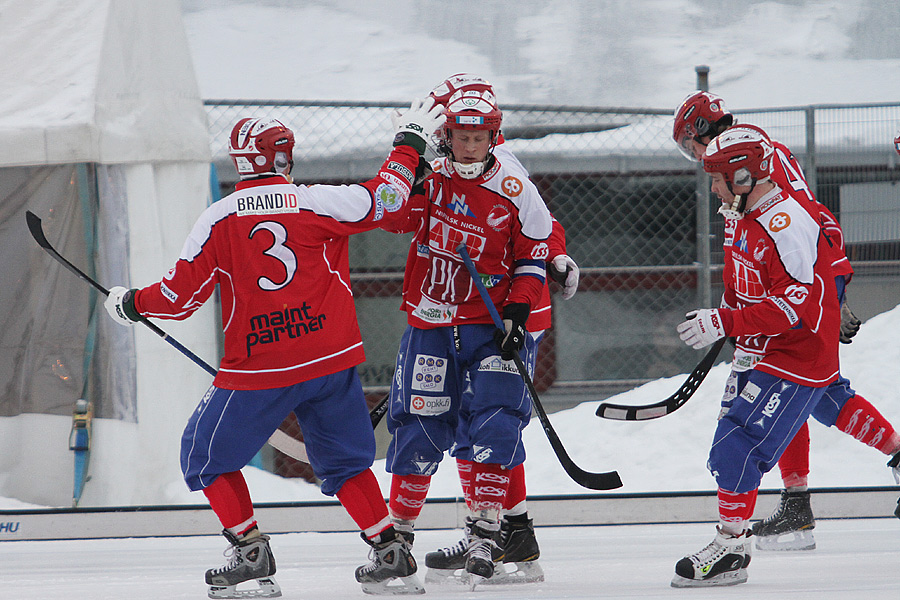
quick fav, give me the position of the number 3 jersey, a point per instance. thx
(279, 253)
(780, 300)
(506, 228)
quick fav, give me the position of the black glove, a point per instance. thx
(423, 170)
(513, 338)
(849, 323)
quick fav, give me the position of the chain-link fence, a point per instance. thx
(639, 221)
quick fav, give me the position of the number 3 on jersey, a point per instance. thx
(279, 252)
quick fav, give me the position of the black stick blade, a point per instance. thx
(645, 412)
(37, 231)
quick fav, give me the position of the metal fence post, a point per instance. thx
(704, 261)
(810, 166)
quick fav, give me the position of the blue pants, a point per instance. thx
(434, 367)
(229, 427)
(839, 391)
(461, 445)
(756, 427)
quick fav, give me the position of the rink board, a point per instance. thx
(325, 516)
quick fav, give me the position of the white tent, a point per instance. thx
(103, 135)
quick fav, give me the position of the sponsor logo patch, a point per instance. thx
(779, 222)
(429, 405)
(496, 365)
(540, 251)
(429, 373)
(402, 170)
(168, 293)
(750, 392)
(511, 186)
(498, 218)
(267, 204)
(387, 195)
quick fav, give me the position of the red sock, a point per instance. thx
(464, 468)
(230, 499)
(515, 494)
(735, 509)
(794, 463)
(361, 498)
(861, 420)
(408, 494)
(490, 483)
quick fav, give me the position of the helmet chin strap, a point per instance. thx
(735, 210)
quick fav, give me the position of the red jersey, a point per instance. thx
(785, 312)
(540, 317)
(506, 227)
(279, 253)
(788, 175)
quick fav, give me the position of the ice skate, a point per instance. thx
(250, 559)
(448, 565)
(482, 536)
(789, 527)
(392, 569)
(519, 554)
(723, 562)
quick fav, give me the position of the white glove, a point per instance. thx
(120, 306)
(702, 328)
(565, 272)
(423, 117)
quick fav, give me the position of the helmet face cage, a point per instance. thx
(259, 146)
(470, 110)
(699, 115)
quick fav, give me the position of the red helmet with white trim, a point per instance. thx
(699, 115)
(460, 81)
(260, 146)
(743, 156)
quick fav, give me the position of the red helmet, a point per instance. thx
(471, 83)
(897, 142)
(259, 146)
(699, 115)
(743, 155)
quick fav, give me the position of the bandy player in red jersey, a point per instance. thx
(516, 551)
(472, 197)
(699, 118)
(781, 305)
(279, 254)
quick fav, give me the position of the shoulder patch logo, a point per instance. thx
(779, 222)
(512, 187)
